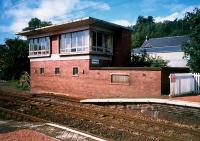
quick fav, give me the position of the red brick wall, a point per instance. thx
(121, 48)
(54, 44)
(92, 83)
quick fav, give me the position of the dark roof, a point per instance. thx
(158, 49)
(165, 41)
(72, 24)
(162, 45)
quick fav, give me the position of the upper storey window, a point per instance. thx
(102, 42)
(39, 46)
(74, 42)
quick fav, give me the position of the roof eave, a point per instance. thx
(87, 20)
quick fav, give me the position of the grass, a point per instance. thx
(18, 84)
(13, 86)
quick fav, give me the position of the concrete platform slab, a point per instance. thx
(144, 100)
(51, 131)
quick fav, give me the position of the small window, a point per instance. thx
(41, 70)
(75, 71)
(57, 71)
(119, 78)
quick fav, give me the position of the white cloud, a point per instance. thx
(124, 22)
(176, 15)
(48, 10)
(171, 17)
(94, 5)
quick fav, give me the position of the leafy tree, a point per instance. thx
(145, 26)
(36, 23)
(15, 59)
(144, 60)
(141, 60)
(157, 62)
(192, 48)
(2, 52)
(14, 56)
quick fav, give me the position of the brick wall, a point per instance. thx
(122, 48)
(92, 83)
(54, 44)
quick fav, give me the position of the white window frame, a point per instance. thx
(39, 43)
(84, 48)
(101, 49)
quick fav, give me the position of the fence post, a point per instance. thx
(197, 83)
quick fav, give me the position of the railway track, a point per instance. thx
(72, 135)
(108, 118)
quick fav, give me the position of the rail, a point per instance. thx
(104, 117)
(72, 135)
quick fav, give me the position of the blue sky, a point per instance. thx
(15, 14)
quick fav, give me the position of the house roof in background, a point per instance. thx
(165, 49)
(165, 41)
(72, 24)
(162, 45)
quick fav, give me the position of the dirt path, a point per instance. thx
(10, 88)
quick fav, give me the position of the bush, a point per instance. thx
(144, 60)
(157, 62)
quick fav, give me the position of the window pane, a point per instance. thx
(73, 40)
(99, 39)
(107, 40)
(75, 71)
(47, 43)
(31, 45)
(68, 40)
(57, 70)
(62, 42)
(79, 39)
(35, 44)
(40, 44)
(94, 38)
(41, 70)
(86, 38)
(43, 43)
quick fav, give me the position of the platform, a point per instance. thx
(10, 129)
(144, 100)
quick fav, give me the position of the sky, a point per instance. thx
(15, 14)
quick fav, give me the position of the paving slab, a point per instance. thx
(50, 131)
(144, 100)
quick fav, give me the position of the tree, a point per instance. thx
(192, 48)
(157, 62)
(144, 60)
(2, 52)
(14, 59)
(145, 26)
(14, 55)
(36, 23)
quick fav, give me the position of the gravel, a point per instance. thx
(25, 135)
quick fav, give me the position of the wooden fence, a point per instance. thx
(197, 83)
(184, 83)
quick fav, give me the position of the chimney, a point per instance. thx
(146, 38)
